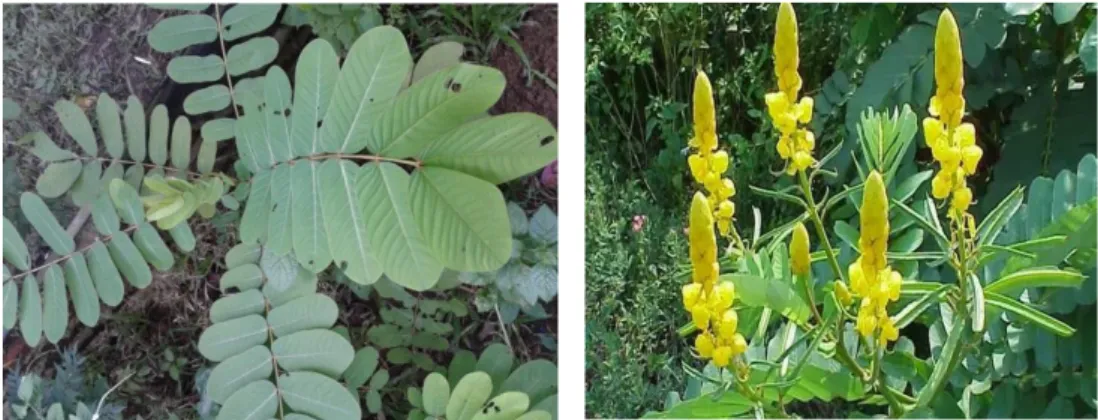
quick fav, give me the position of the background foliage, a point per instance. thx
(1029, 72)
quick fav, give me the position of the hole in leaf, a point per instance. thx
(274, 207)
(546, 140)
(286, 112)
(455, 87)
(318, 124)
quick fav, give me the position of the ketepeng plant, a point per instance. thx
(851, 347)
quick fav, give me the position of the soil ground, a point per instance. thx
(77, 51)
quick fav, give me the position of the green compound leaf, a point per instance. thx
(317, 350)
(436, 393)
(44, 148)
(238, 371)
(110, 125)
(253, 223)
(247, 19)
(496, 149)
(58, 178)
(315, 79)
(440, 56)
(463, 219)
(361, 368)
(251, 55)
(372, 73)
(277, 96)
(304, 313)
(108, 282)
(218, 129)
(237, 305)
(158, 135)
(1035, 277)
(86, 187)
(40, 216)
(30, 312)
(318, 396)
(179, 32)
(15, 250)
(78, 280)
(345, 222)
(256, 401)
(225, 339)
(181, 143)
(11, 304)
(55, 307)
(993, 224)
(310, 238)
(196, 69)
(497, 361)
(77, 125)
(383, 196)
(209, 99)
(434, 106)
(134, 118)
(1029, 313)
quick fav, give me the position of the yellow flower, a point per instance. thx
(729, 322)
(799, 250)
(723, 295)
(690, 295)
(704, 345)
(722, 355)
(948, 64)
(739, 345)
(700, 315)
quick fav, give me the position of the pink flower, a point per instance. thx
(638, 222)
(549, 175)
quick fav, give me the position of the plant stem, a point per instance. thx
(365, 157)
(69, 255)
(821, 232)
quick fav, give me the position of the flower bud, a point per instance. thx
(799, 250)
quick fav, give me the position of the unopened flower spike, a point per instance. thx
(707, 164)
(871, 279)
(789, 114)
(799, 251)
(952, 143)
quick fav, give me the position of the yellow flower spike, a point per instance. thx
(690, 294)
(704, 345)
(705, 119)
(948, 64)
(799, 250)
(722, 355)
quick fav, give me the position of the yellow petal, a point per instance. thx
(932, 129)
(722, 355)
(804, 110)
(719, 162)
(704, 345)
(739, 345)
(690, 294)
(971, 158)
